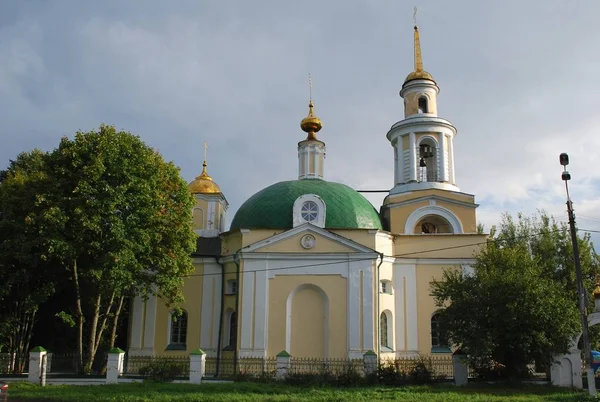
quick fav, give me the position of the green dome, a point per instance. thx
(272, 207)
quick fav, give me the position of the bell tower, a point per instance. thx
(423, 146)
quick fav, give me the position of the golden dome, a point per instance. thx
(204, 184)
(419, 75)
(311, 124)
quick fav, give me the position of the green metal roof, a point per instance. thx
(271, 208)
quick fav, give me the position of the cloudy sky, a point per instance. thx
(518, 79)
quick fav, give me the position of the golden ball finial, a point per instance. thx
(311, 124)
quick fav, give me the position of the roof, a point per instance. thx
(272, 207)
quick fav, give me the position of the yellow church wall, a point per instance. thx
(425, 303)
(411, 195)
(304, 339)
(439, 245)
(192, 305)
(412, 103)
(360, 236)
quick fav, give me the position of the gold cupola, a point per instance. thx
(204, 184)
(311, 124)
(419, 73)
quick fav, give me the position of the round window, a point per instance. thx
(309, 211)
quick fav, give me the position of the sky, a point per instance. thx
(518, 79)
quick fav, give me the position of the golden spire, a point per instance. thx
(311, 124)
(204, 184)
(419, 73)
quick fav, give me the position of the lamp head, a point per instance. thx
(564, 159)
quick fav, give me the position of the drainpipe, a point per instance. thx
(218, 366)
(378, 290)
(236, 260)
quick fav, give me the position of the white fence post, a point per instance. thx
(461, 368)
(114, 366)
(370, 362)
(197, 366)
(284, 360)
(35, 365)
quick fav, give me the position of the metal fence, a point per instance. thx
(145, 365)
(440, 367)
(301, 365)
(245, 366)
(8, 365)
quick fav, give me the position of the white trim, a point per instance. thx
(423, 185)
(419, 213)
(434, 198)
(248, 308)
(288, 317)
(297, 210)
(214, 197)
(442, 157)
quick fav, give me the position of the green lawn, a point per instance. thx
(233, 392)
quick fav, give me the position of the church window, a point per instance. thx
(439, 338)
(427, 170)
(231, 287)
(433, 224)
(309, 208)
(221, 223)
(386, 287)
(310, 211)
(232, 329)
(178, 332)
(423, 105)
(383, 333)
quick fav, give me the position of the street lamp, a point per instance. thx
(587, 350)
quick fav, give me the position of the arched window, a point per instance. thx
(386, 287)
(433, 224)
(232, 329)
(383, 333)
(427, 170)
(423, 105)
(178, 334)
(439, 338)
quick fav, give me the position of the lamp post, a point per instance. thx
(587, 350)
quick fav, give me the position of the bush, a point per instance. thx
(165, 370)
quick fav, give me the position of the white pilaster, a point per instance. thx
(368, 307)
(247, 313)
(211, 305)
(137, 312)
(442, 156)
(353, 313)
(413, 156)
(150, 325)
(451, 155)
(261, 313)
(399, 162)
(405, 276)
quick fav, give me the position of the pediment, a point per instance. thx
(307, 238)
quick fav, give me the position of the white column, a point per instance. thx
(413, 157)
(197, 366)
(451, 156)
(35, 364)
(442, 157)
(114, 365)
(150, 325)
(135, 343)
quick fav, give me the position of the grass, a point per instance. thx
(244, 391)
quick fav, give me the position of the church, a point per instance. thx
(311, 267)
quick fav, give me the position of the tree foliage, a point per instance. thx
(26, 277)
(112, 217)
(519, 305)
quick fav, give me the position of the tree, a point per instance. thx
(118, 219)
(26, 278)
(519, 306)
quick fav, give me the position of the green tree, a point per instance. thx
(26, 277)
(519, 306)
(119, 221)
